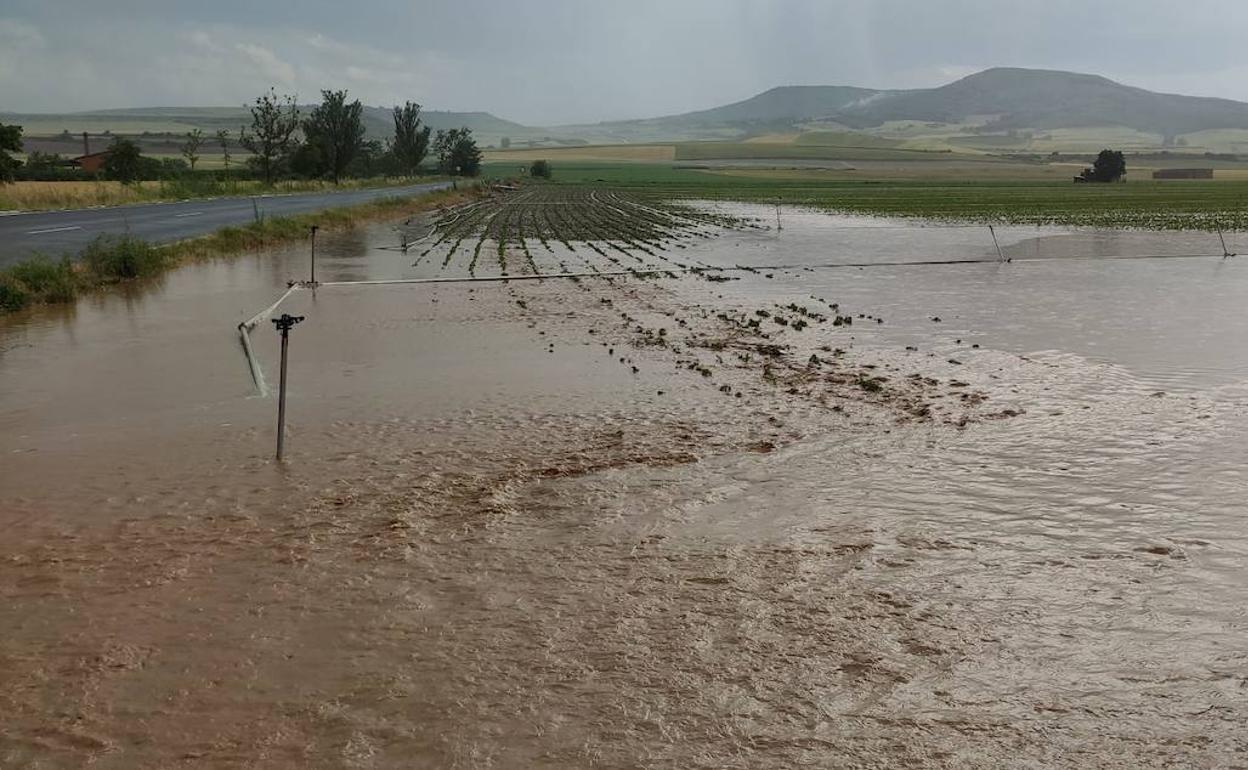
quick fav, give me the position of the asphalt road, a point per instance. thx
(66, 232)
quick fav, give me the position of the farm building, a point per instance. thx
(1183, 173)
(92, 163)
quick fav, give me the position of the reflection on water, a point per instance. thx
(1174, 322)
(517, 533)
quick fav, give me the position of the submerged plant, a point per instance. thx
(118, 257)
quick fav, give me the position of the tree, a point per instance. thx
(1110, 166)
(465, 155)
(371, 160)
(10, 141)
(457, 152)
(411, 140)
(223, 139)
(190, 148)
(44, 161)
(505, 142)
(540, 169)
(124, 162)
(442, 142)
(308, 159)
(338, 126)
(273, 125)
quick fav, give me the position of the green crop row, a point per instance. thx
(1140, 204)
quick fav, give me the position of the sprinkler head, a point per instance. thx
(286, 322)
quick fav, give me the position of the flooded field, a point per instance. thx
(796, 507)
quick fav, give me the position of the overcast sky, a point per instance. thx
(561, 61)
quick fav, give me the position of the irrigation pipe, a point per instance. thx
(433, 228)
(244, 334)
(244, 328)
(258, 376)
(976, 261)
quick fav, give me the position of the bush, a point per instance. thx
(50, 281)
(13, 295)
(113, 257)
(540, 169)
(124, 163)
(52, 174)
(193, 186)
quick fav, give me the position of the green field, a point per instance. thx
(1138, 204)
(795, 151)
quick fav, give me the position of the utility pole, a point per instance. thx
(284, 325)
(313, 281)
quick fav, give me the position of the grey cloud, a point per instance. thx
(558, 61)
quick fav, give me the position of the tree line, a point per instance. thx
(329, 142)
(326, 143)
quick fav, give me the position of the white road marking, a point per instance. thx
(53, 230)
(192, 214)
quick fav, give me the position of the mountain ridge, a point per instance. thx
(1016, 97)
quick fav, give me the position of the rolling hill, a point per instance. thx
(1046, 99)
(998, 99)
(783, 104)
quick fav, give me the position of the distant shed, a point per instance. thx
(1183, 173)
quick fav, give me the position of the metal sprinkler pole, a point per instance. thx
(1225, 251)
(314, 229)
(993, 233)
(284, 325)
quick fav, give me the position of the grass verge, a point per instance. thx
(112, 259)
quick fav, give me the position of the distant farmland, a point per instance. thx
(795, 151)
(873, 149)
(952, 193)
(645, 153)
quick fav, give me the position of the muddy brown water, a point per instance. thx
(498, 545)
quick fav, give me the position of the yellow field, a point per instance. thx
(643, 153)
(773, 139)
(68, 195)
(1217, 140)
